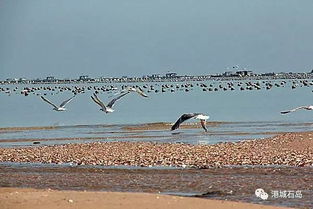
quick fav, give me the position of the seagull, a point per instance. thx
(309, 107)
(132, 89)
(106, 108)
(187, 116)
(58, 108)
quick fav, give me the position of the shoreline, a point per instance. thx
(223, 171)
(12, 198)
(142, 126)
(177, 78)
(232, 184)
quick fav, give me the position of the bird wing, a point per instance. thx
(97, 100)
(292, 110)
(137, 90)
(66, 101)
(46, 100)
(285, 112)
(140, 92)
(111, 103)
(182, 118)
(203, 122)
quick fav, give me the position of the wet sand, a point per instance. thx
(235, 184)
(49, 199)
(83, 167)
(167, 126)
(6, 129)
(129, 137)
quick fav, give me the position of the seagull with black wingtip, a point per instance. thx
(188, 116)
(107, 108)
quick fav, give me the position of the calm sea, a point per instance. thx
(251, 113)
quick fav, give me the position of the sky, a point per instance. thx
(69, 38)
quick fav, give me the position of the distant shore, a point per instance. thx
(170, 77)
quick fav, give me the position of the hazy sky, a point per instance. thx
(67, 38)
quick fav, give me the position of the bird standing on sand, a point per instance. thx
(187, 116)
(58, 108)
(106, 108)
(309, 107)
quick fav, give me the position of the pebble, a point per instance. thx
(289, 149)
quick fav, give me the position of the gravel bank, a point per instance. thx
(290, 149)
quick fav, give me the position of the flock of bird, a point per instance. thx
(125, 90)
(109, 107)
(158, 87)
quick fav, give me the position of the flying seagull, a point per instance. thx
(132, 89)
(187, 116)
(58, 108)
(107, 108)
(309, 107)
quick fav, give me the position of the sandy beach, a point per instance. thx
(229, 171)
(11, 198)
(156, 104)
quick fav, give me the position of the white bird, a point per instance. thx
(187, 116)
(309, 107)
(106, 108)
(132, 89)
(58, 108)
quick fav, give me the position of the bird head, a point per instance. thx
(203, 117)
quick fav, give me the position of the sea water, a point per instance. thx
(247, 113)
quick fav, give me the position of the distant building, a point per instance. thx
(83, 78)
(229, 73)
(22, 80)
(50, 79)
(11, 80)
(154, 76)
(171, 75)
(268, 74)
(243, 73)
